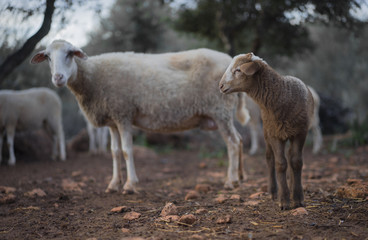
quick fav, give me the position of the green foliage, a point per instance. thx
(359, 133)
(265, 26)
(205, 152)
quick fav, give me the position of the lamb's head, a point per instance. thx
(60, 55)
(239, 76)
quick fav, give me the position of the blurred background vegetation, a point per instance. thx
(323, 42)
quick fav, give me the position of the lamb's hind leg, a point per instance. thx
(10, 133)
(125, 131)
(296, 164)
(233, 143)
(116, 161)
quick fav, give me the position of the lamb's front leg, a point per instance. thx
(278, 148)
(127, 146)
(116, 152)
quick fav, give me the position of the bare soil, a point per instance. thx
(75, 205)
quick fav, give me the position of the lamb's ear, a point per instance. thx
(249, 68)
(79, 53)
(39, 57)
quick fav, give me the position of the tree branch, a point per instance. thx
(15, 59)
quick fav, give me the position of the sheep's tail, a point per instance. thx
(242, 114)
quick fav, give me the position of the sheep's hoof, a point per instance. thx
(110, 190)
(128, 192)
(129, 188)
(231, 185)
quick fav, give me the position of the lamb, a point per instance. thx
(31, 109)
(286, 109)
(255, 123)
(155, 92)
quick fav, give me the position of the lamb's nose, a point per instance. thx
(221, 86)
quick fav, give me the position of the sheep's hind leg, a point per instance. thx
(233, 143)
(296, 164)
(127, 146)
(116, 161)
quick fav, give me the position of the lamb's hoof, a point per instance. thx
(298, 204)
(285, 206)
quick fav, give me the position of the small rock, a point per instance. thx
(251, 203)
(187, 219)
(131, 216)
(4, 189)
(169, 209)
(222, 220)
(119, 209)
(202, 165)
(201, 211)
(256, 195)
(192, 195)
(203, 188)
(299, 211)
(70, 185)
(221, 198)
(76, 173)
(170, 218)
(9, 198)
(196, 236)
(35, 193)
(125, 230)
(235, 197)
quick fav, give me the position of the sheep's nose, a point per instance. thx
(58, 77)
(221, 86)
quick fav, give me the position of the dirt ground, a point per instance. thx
(67, 200)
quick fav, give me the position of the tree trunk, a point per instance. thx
(15, 59)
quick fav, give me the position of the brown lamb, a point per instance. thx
(287, 109)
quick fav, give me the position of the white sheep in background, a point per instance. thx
(97, 138)
(31, 109)
(255, 125)
(287, 109)
(156, 92)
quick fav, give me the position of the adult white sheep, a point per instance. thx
(255, 124)
(156, 92)
(31, 109)
(287, 109)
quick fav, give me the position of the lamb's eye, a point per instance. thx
(236, 70)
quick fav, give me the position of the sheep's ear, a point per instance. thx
(79, 53)
(249, 68)
(39, 57)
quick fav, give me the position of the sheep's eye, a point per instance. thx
(69, 54)
(47, 57)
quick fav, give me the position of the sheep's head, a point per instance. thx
(239, 75)
(60, 55)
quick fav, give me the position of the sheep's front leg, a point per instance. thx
(278, 148)
(296, 165)
(116, 161)
(1, 145)
(233, 143)
(127, 146)
(10, 133)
